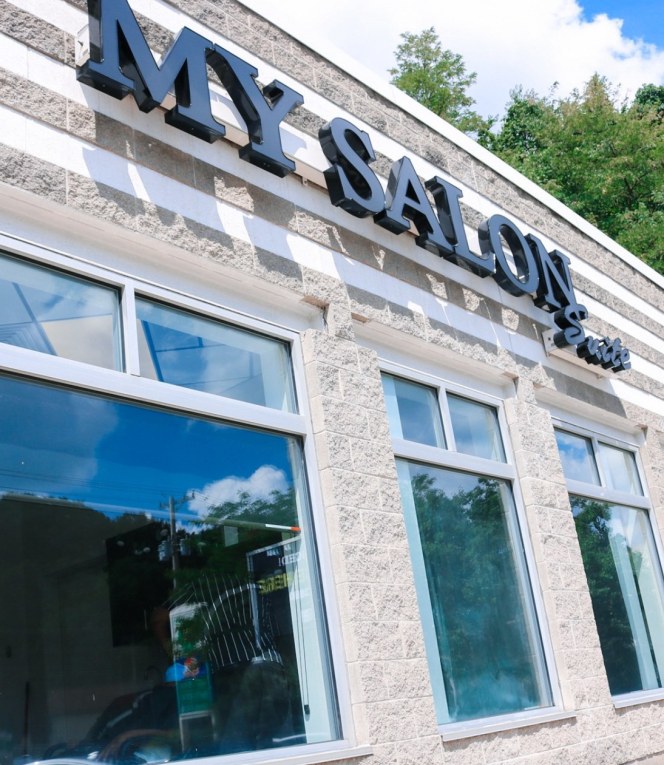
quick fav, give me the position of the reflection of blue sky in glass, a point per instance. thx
(181, 348)
(413, 411)
(59, 314)
(577, 457)
(106, 453)
(475, 428)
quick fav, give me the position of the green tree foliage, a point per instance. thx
(437, 78)
(651, 96)
(475, 594)
(603, 159)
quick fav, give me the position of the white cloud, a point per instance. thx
(514, 42)
(259, 485)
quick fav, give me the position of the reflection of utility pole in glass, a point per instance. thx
(172, 546)
(175, 545)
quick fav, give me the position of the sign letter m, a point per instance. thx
(121, 63)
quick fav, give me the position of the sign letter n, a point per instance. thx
(121, 63)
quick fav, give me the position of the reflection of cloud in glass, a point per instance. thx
(576, 457)
(573, 452)
(260, 485)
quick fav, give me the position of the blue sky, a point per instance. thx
(642, 19)
(510, 43)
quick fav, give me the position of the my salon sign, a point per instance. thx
(121, 63)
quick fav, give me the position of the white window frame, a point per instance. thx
(447, 458)
(128, 384)
(601, 492)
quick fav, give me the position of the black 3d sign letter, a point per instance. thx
(569, 321)
(121, 63)
(407, 200)
(607, 353)
(446, 196)
(262, 110)
(490, 233)
(555, 289)
(352, 185)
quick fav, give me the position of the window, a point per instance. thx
(59, 314)
(484, 648)
(160, 592)
(195, 352)
(620, 559)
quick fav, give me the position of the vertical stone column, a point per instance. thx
(390, 691)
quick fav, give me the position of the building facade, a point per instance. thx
(325, 436)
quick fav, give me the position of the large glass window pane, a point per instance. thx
(485, 655)
(619, 468)
(475, 428)
(159, 586)
(576, 455)
(625, 584)
(413, 411)
(184, 349)
(52, 312)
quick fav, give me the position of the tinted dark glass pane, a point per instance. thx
(476, 428)
(619, 469)
(487, 637)
(413, 411)
(625, 585)
(159, 588)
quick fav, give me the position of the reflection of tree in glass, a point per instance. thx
(616, 638)
(253, 517)
(235, 622)
(151, 569)
(210, 558)
(483, 640)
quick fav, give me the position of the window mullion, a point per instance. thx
(131, 355)
(468, 464)
(74, 373)
(447, 420)
(582, 489)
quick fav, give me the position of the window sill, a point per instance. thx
(456, 731)
(312, 757)
(638, 697)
